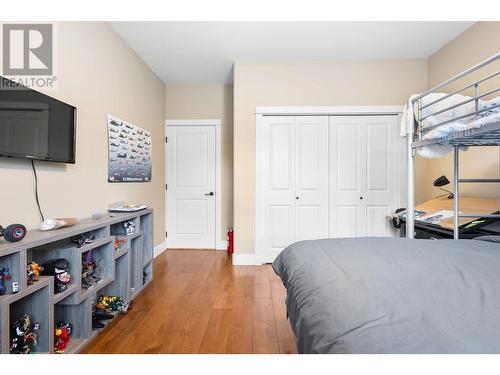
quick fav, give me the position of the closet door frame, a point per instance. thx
(260, 256)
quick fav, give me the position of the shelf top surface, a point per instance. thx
(36, 237)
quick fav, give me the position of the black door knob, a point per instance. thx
(296, 197)
(361, 198)
(209, 194)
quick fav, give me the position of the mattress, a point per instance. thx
(491, 114)
(391, 295)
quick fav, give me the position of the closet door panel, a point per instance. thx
(281, 156)
(381, 179)
(347, 176)
(309, 225)
(311, 191)
(377, 223)
(347, 221)
(308, 156)
(281, 226)
(347, 156)
(377, 151)
(278, 170)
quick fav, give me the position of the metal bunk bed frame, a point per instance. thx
(487, 135)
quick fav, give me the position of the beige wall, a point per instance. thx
(471, 47)
(213, 101)
(99, 74)
(329, 83)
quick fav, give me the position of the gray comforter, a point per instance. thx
(388, 295)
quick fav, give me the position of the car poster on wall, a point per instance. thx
(129, 152)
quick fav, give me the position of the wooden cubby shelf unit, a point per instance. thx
(124, 272)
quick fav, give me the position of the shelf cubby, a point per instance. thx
(92, 301)
(14, 262)
(57, 250)
(95, 234)
(104, 258)
(36, 302)
(80, 317)
(118, 228)
(136, 266)
(121, 284)
(146, 221)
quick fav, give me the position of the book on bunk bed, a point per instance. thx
(435, 217)
(416, 214)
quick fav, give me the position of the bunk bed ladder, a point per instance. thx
(456, 181)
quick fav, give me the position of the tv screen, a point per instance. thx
(35, 126)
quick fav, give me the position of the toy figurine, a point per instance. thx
(4, 276)
(129, 227)
(111, 303)
(62, 335)
(82, 240)
(24, 335)
(33, 269)
(58, 268)
(89, 271)
(118, 243)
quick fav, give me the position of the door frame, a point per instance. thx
(220, 243)
(261, 112)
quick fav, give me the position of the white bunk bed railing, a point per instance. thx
(486, 135)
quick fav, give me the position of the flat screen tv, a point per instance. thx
(35, 126)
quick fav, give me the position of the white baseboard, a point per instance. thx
(244, 260)
(160, 248)
(221, 245)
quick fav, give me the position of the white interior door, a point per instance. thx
(363, 174)
(294, 178)
(191, 187)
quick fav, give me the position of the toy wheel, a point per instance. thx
(14, 232)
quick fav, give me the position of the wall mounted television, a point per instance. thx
(34, 125)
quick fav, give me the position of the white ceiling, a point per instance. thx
(204, 52)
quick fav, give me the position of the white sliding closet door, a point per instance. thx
(363, 174)
(279, 184)
(293, 152)
(311, 186)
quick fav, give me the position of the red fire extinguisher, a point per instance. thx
(230, 240)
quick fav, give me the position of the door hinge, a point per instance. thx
(166, 139)
(166, 234)
(166, 187)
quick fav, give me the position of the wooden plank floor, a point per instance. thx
(199, 302)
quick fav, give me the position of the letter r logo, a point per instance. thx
(27, 49)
